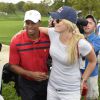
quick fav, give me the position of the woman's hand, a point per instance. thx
(84, 88)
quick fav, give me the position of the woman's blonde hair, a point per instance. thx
(73, 43)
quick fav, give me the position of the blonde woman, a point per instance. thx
(67, 44)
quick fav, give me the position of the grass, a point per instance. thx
(10, 25)
(8, 29)
(8, 92)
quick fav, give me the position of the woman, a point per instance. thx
(67, 44)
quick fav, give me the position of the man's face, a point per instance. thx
(32, 28)
(91, 26)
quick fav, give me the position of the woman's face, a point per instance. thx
(60, 26)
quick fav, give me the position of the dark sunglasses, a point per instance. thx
(58, 20)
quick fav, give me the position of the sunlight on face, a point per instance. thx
(60, 27)
(64, 26)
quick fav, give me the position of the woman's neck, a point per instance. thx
(65, 37)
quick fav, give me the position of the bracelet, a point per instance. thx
(83, 80)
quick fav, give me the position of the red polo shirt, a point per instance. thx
(29, 54)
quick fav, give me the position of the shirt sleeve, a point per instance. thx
(14, 57)
(84, 47)
(52, 34)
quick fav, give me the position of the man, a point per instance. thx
(90, 33)
(29, 50)
(98, 28)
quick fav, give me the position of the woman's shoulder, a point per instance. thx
(84, 47)
(83, 42)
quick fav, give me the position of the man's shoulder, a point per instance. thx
(18, 35)
(96, 37)
(93, 36)
(43, 35)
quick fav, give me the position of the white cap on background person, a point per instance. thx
(92, 17)
(32, 15)
(1, 98)
(98, 21)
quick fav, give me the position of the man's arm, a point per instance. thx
(38, 76)
(43, 30)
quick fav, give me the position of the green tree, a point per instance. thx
(20, 5)
(2, 5)
(28, 6)
(7, 7)
(88, 6)
(11, 8)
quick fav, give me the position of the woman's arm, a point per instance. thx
(91, 65)
(44, 30)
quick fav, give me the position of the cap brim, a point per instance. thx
(34, 21)
(54, 15)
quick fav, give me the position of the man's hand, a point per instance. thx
(38, 76)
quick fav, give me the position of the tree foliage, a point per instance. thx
(20, 5)
(86, 6)
(7, 7)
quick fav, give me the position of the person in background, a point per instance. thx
(98, 32)
(94, 39)
(66, 47)
(51, 22)
(98, 27)
(0, 46)
(1, 98)
(80, 23)
(29, 50)
(0, 71)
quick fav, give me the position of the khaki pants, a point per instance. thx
(93, 89)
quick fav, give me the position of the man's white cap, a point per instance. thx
(32, 15)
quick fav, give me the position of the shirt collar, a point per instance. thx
(91, 36)
(29, 39)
